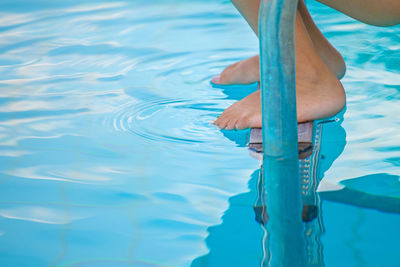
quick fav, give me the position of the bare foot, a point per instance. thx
(247, 71)
(316, 98)
(319, 93)
(243, 72)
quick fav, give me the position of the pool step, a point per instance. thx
(309, 142)
(305, 142)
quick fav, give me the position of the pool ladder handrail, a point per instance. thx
(279, 120)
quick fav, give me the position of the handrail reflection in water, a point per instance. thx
(311, 205)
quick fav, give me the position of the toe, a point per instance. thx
(228, 75)
(216, 79)
(221, 121)
(225, 77)
(241, 124)
(231, 124)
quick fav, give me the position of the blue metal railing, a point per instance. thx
(280, 159)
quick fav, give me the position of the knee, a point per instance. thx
(381, 13)
(387, 23)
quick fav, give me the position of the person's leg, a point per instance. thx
(319, 93)
(249, 10)
(331, 57)
(247, 71)
(374, 12)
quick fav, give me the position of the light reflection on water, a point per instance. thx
(107, 155)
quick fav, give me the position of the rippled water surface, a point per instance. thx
(107, 156)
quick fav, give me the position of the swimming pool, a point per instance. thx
(107, 156)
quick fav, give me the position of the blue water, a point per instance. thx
(107, 156)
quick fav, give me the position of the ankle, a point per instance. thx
(314, 76)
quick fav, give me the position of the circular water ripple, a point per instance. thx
(186, 118)
(169, 120)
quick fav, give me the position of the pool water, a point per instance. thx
(108, 157)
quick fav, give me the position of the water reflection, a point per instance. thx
(236, 241)
(310, 176)
(380, 191)
(242, 237)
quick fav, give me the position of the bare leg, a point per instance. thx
(331, 57)
(249, 10)
(319, 93)
(247, 71)
(375, 12)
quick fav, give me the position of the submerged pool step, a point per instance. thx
(309, 137)
(305, 144)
